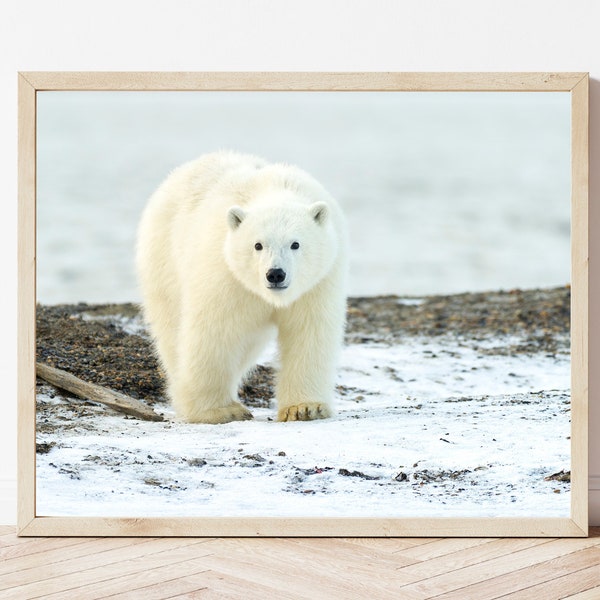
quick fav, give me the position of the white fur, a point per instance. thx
(206, 297)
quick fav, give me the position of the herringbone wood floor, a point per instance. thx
(402, 568)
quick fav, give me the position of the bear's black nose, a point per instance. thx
(275, 276)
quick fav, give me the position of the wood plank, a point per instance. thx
(443, 547)
(107, 571)
(53, 552)
(591, 594)
(468, 557)
(581, 585)
(26, 305)
(37, 546)
(99, 567)
(303, 81)
(6, 530)
(288, 565)
(579, 301)
(302, 527)
(182, 587)
(514, 582)
(456, 579)
(11, 539)
(155, 583)
(235, 588)
(190, 585)
(390, 544)
(315, 581)
(344, 551)
(306, 568)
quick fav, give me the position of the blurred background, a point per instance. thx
(443, 192)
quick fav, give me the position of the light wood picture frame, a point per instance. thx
(32, 524)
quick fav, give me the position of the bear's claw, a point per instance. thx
(307, 411)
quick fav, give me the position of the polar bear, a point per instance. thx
(232, 251)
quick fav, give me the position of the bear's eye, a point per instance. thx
(258, 246)
(295, 246)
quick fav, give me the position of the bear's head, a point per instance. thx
(280, 250)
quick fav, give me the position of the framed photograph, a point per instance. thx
(303, 304)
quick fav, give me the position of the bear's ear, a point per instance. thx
(235, 216)
(319, 212)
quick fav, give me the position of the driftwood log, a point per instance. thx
(96, 393)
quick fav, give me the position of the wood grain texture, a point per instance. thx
(577, 584)
(160, 582)
(307, 568)
(544, 572)
(589, 594)
(301, 527)
(30, 524)
(71, 574)
(96, 393)
(303, 81)
(579, 301)
(26, 303)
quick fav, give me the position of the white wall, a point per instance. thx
(271, 35)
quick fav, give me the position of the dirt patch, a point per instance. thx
(541, 318)
(106, 344)
(99, 350)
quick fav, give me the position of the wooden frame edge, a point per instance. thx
(26, 304)
(28, 524)
(579, 300)
(302, 81)
(302, 527)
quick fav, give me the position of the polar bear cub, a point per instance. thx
(231, 252)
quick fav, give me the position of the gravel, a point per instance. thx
(106, 344)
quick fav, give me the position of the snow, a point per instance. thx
(432, 427)
(129, 325)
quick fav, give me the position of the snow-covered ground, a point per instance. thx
(442, 427)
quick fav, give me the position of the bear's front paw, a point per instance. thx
(225, 414)
(307, 411)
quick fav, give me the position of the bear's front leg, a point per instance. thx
(204, 386)
(197, 399)
(304, 411)
(310, 338)
(215, 416)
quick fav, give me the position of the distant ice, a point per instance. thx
(443, 192)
